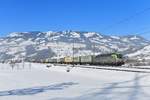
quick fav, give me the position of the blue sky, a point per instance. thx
(84, 15)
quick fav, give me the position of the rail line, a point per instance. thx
(116, 69)
(148, 68)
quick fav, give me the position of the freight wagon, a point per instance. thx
(76, 60)
(68, 60)
(86, 59)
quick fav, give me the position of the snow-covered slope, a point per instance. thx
(143, 53)
(42, 45)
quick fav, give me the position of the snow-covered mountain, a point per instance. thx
(42, 45)
(142, 54)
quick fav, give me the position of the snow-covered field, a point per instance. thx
(54, 83)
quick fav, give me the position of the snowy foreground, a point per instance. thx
(54, 83)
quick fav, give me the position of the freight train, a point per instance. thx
(111, 59)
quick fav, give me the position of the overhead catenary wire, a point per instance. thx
(126, 19)
(143, 33)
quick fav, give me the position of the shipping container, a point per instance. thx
(76, 59)
(68, 59)
(86, 59)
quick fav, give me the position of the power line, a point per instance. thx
(143, 33)
(127, 19)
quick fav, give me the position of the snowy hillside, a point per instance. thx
(40, 83)
(42, 45)
(143, 53)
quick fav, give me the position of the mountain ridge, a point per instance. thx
(43, 45)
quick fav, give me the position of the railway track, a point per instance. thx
(116, 68)
(126, 69)
(148, 68)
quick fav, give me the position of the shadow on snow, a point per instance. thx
(36, 90)
(109, 92)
